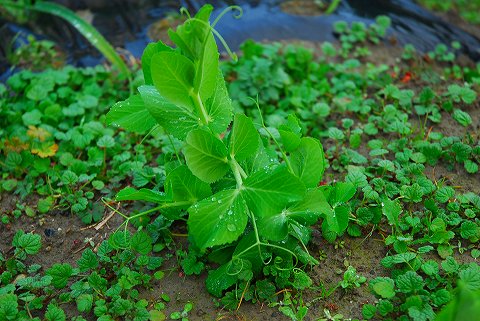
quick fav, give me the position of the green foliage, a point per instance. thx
(116, 272)
(250, 184)
(239, 197)
(466, 9)
(49, 139)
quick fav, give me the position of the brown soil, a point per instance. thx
(302, 7)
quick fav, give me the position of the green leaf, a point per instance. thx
(191, 37)
(308, 161)
(88, 261)
(30, 243)
(301, 280)
(206, 155)
(290, 132)
(206, 63)
(290, 140)
(131, 114)
(97, 282)
(150, 50)
(8, 306)
(392, 209)
(410, 282)
(441, 297)
(106, 141)
(45, 204)
(470, 166)
(119, 240)
(244, 138)
(384, 287)
(275, 226)
(471, 277)
(342, 192)
(54, 313)
(430, 267)
(469, 229)
(32, 118)
(60, 274)
(173, 76)
(84, 303)
(269, 192)
(156, 315)
(141, 242)
(220, 279)
(462, 117)
(219, 107)
(217, 220)
(445, 193)
(368, 311)
(176, 120)
(185, 186)
(412, 193)
(144, 194)
(337, 221)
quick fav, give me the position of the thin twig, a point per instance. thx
(102, 223)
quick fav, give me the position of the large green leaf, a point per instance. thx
(291, 133)
(206, 67)
(268, 192)
(309, 209)
(337, 221)
(244, 138)
(185, 186)
(150, 50)
(262, 159)
(144, 194)
(176, 120)
(392, 209)
(219, 219)
(220, 279)
(206, 155)
(131, 115)
(306, 212)
(173, 75)
(190, 36)
(219, 107)
(195, 39)
(341, 193)
(308, 161)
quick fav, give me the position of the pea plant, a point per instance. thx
(251, 192)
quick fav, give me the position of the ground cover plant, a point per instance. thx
(380, 223)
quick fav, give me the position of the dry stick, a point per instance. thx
(99, 225)
(102, 223)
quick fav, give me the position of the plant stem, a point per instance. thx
(200, 107)
(236, 169)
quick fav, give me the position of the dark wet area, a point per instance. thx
(128, 24)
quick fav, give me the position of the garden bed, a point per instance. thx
(401, 127)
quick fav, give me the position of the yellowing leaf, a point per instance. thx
(15, 145)
(40, 133)
(45, 150)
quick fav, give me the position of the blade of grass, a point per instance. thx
(332, 7)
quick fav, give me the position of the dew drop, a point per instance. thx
(231, 227)
(219, 201)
